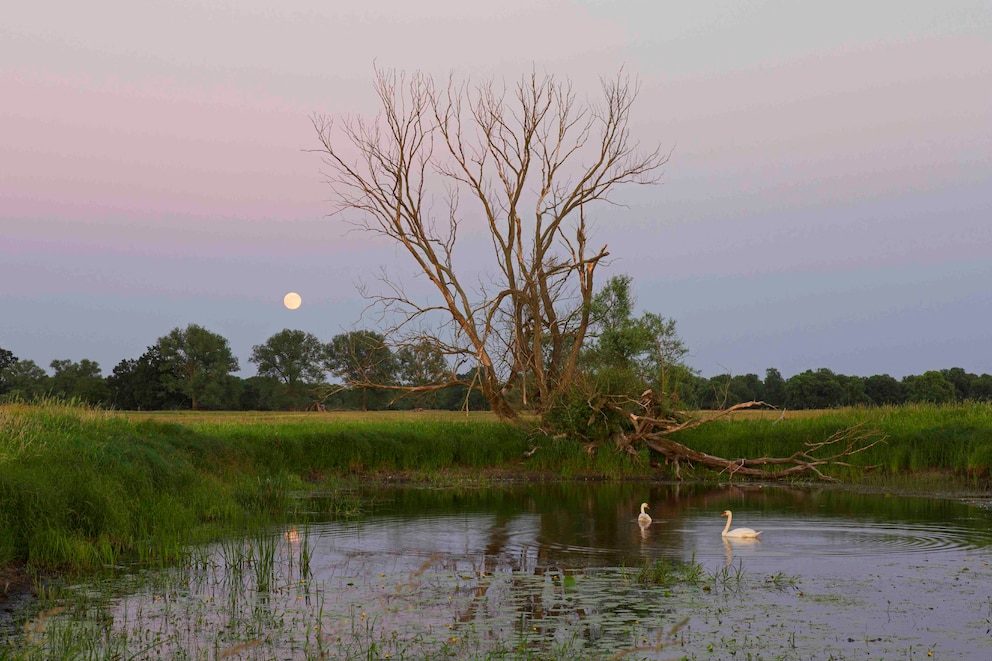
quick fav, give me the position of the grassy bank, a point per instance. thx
(81, 489)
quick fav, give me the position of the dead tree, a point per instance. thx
(526, 165)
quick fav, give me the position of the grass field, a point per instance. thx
(956, 438)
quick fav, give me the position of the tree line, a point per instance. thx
(192, 368)
(824, 389)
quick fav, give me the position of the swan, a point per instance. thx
(737, 532)
(644, 519)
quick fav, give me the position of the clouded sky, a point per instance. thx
(828, 202)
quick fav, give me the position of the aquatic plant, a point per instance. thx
(667, 572)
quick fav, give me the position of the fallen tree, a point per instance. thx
(814, 455)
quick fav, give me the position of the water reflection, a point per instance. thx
(580, 525)
(532, 557)
(740, 544)
(561, 570)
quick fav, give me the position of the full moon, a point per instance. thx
(292, 300)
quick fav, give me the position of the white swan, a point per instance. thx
(644, 519)
(737, 532)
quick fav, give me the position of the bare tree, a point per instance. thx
(526, 163)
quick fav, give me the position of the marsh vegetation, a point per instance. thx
(552, 571)
(105, 511)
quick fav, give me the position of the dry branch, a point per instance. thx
(843, 443)
(654, 430)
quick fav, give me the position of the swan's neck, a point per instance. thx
(642, 508)
(727, 527)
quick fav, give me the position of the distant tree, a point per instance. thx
(961, 381)
(294, 359)
(230, 392)
(680, 384)
(745, 388)
(139, 384)
(7, 360)
(774, 388)
(421, 365)
(198, 365)
(726, 390)
(712, 393)
(461, 396)
(261, 393)
(931, 387)
(981, 388)
(625, 354)
(884, 390)
(854, 390)
(647, 345)
(82, 381)
(814, 390)
(25, 380)
(362, 361)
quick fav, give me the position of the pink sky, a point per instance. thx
(154, 172)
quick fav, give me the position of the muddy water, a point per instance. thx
(558, 571)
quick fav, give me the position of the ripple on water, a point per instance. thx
(852, 538)
(522, 542)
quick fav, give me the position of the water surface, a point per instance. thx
(555, 571)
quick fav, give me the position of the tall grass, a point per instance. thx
(418, 442)
(918, 438)
(82, 488)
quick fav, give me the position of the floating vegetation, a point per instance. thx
(667, 572)
(781, 579)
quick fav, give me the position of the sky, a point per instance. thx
(827, 203)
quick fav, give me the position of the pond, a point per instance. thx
(556, 571)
